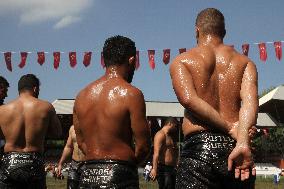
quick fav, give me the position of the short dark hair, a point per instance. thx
(28, 82)
(171, 120)
(117, 50)
(211, 21)
(4, 81)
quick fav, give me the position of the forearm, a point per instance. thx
(155, 162)
(67, 152)
(205, 112)
(247, 119)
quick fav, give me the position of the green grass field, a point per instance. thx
(261, 183)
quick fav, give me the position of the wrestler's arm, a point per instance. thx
(241, 155)
(67, 152)
(54, 128)
(158, 142)
(139, 125)
(185, 91)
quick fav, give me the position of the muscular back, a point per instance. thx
(216, 75)
(109, 111)
(25, 123)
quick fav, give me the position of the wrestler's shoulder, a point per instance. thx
(160, 135)
(44, 105)
(134, 91)
(241, 59)
(88, 89)
(192, 56)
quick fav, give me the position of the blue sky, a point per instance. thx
(83, 25)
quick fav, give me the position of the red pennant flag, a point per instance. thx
(278, 49)
(137, 63)
(151, 55)
(87, 58)
(8, 60)
(182, 50)
(262, 51)
(72, 59)
(40, 57)
(56, 60)
(166, 55)
(102, 60)
(24, 56)
(245, 48)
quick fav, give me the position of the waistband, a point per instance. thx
(16, 160)
(207, 144)
(25, 155)
(110, 161)
(78, 162)
(209, 136)
(28, 153)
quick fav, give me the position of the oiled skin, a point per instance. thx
(108, 114)
(26, 121)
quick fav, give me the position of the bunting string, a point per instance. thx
(87, 55)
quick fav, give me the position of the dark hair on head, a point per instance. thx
(171, 120)
(28, 82)
(117, 50)
(211, 21)
(4, 81)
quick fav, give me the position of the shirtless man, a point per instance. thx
(165, 156)
(217, 86)
(4, 84)
(109, 115)
(24, 123)
(71, 148)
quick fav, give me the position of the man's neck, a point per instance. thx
(166, 130)
(26, 94)
(209, 40)
(115, 72)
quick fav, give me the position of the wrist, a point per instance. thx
(243, 136)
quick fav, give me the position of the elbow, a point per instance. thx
(187, 103)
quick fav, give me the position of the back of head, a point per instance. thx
(117, 50)
(4, 82)
(171, 120)
(28, 82)
(211, 21)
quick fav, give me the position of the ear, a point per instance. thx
(35, 90)
(224, 33)
(131, 60)
(197, 30)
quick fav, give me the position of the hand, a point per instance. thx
(241, 157)
(58, 171)
(153, 174)
(252, 132)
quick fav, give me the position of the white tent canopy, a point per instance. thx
(157, 109)
(275, 94)
(273, 104)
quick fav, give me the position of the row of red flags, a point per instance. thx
(151, 56)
